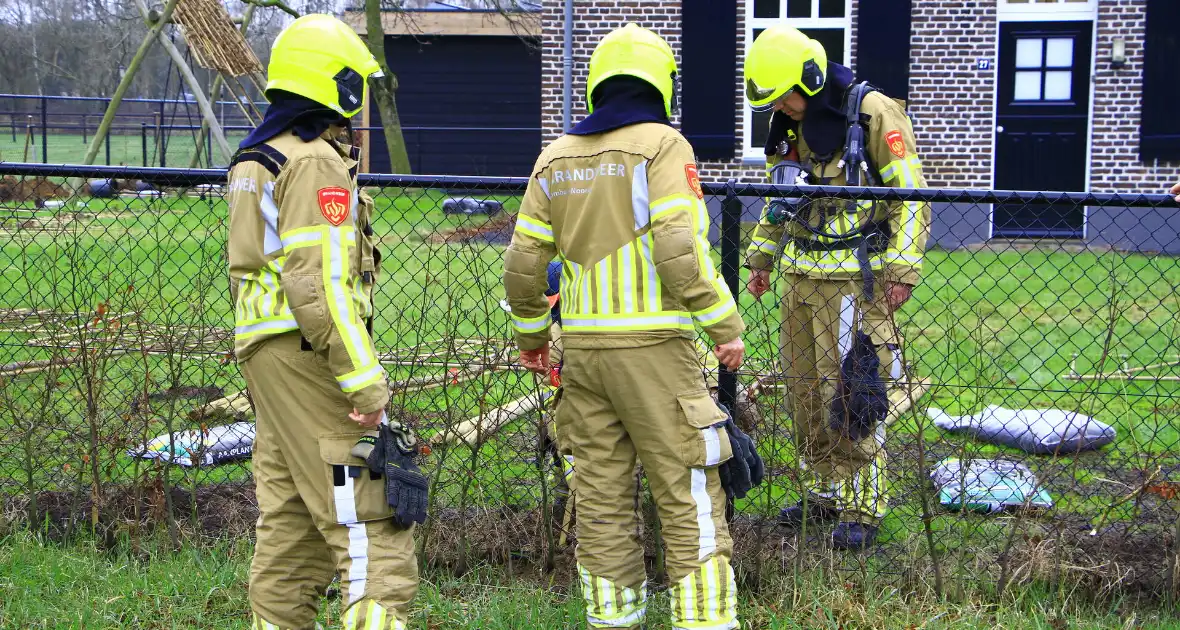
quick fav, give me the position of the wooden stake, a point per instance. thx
(104, 127)
(193, 84)
(477, 429)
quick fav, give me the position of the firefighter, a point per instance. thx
(618, 201)
(302, 266)
(846, 267)
(744, 416)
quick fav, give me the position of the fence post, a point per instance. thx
(44, 130)
(143, 140)
(731, 242)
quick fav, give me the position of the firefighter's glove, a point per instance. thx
(744, 470)
(391, 454)
(861, 402)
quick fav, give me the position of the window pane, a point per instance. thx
(766, 8)
(831, 8)
(757, 32)
(1028, 53)
(1058, 85)
(831, 38)
(1028, 86)
(759, 129)
(1059, 52)
(799, 8)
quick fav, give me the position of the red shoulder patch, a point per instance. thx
(694, 180)
(896, 143)
(334, 204)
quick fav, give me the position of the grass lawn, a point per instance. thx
(81, 586)
(986, 327)
(126, 148)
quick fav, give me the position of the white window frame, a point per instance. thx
(755, 155)
(1059, 11)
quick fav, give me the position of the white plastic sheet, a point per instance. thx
(217, 445)
(1040, 431)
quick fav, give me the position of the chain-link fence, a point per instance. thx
(1032, 437)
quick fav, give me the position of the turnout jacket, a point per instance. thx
(302, 257)
(624, 212)
(893, 151)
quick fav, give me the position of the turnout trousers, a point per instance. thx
(650, 403)
(320, 509)
(818, 320)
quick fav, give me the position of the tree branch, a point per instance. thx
(278, 4)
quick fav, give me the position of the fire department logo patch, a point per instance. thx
(694, 180)
(334, 204)
(896, 143)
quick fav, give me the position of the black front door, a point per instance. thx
(1042, 125)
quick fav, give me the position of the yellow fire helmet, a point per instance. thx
(323, 59)
(635, 51)
(781, 61)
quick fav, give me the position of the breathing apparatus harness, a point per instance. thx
(867, 237)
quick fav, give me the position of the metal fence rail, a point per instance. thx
(116, 329)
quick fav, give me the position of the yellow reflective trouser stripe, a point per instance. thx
(905, 241)
(609, 605)
(370, 615)
(706, 599)
(261, 624)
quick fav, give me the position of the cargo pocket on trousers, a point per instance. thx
(706, 444)
(358, 494)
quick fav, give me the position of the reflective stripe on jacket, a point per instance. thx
(301, 257)
(624, 212)
(892, 148)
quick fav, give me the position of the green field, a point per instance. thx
(126, 147)
(985, 327)
(81, 586)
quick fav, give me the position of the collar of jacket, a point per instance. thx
(825, 128)
(619, 102)
(306, 118)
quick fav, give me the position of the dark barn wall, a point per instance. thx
(486, 89)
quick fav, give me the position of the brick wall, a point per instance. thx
(1114, 162)
(595, 18)
(592, 20)
(952, 102)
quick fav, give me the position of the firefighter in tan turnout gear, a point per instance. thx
(617, 200)
(302, 267)
(840, 346)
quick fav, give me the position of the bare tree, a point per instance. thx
(385, 91)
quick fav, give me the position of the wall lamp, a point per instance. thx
(1118, 53)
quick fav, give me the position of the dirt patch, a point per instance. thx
(36, 189)
(497, 231)
(184, 392)
(223, 510)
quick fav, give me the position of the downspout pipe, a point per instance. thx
(567, 67)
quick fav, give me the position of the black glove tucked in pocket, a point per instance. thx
(745, 469)
(391, 454)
